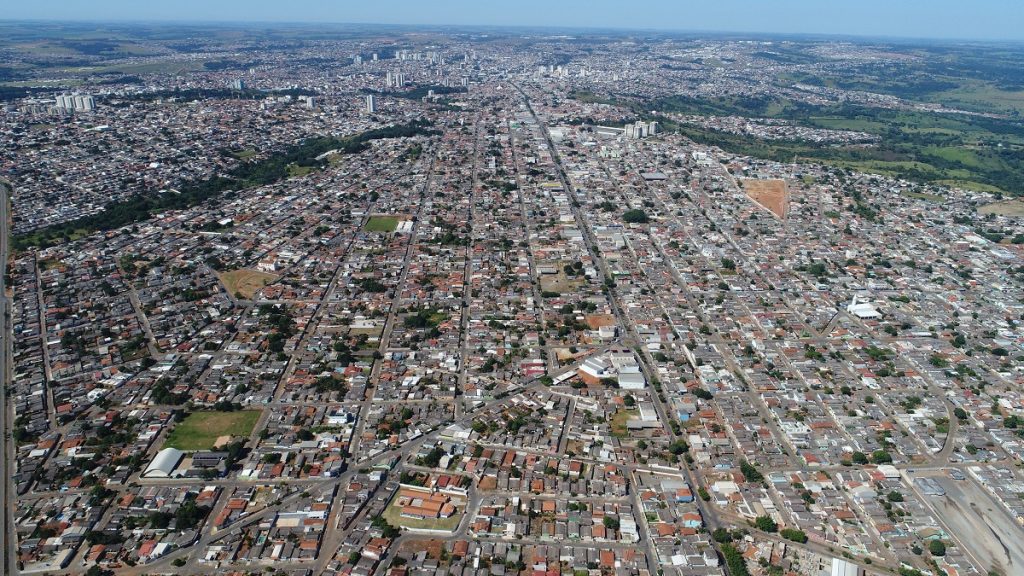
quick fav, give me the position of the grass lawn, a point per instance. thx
(245, 282)
(295, 170)
(200, 430)
(393, 514)
(381, 224)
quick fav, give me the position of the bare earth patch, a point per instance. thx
(772, 194)
(1013, 207)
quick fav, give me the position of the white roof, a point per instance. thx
(164, 463)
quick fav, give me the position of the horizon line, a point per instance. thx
(565, 27)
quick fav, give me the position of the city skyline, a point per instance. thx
(992, 20)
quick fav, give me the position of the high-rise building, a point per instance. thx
(371, 104)
(75, 102)
(238, 84)
(65, 102)
(395, 80)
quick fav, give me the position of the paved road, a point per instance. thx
(8, 558)
(646, 361)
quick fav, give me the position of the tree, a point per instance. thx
(611, 523)
(766, 524)
(734, 560)
(894, 496)
(960, 413)
(936, 548)
(636, 217)
(721, 535)
(881, 457)
(750, 472)
(859, 458)
(188, 515)
(794, 535)
(702, 394)
(679, 447)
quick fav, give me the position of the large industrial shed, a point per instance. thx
(164, 463)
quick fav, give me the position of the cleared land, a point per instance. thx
(393, 514)
(1007, 208)
(381, 224)
(772, 194)
(595, 321)
(245, 281)
(560, 283)
(200, 430)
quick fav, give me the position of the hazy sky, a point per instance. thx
(977, 19)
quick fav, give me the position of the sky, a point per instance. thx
(959, 19)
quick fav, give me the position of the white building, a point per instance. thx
(164, 463)
(863, 310)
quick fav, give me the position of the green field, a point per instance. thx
(295, 170)
(917, 146)
(200, 430)
(381, 224)
(975, 152)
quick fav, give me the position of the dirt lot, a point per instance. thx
(560, 283)
(772, 194)
(1007, 208)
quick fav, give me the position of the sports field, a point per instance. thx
(200, 430)
(381, 224)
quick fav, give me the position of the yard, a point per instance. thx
(618, 423)
(200, 430)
